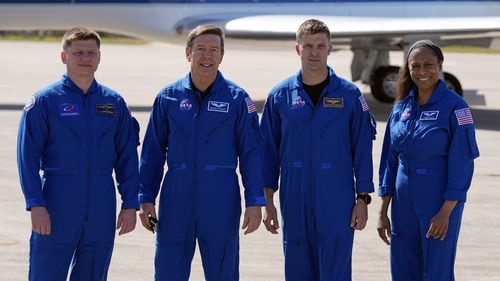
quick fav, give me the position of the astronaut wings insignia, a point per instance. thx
(429, 115)
(218, 106)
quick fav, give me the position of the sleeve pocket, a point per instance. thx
(472, 144)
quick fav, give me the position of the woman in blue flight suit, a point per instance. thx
(426, 169)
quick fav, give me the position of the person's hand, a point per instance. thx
(147, 210)
(384, 228)
(271, 218)
(40, 220)
(251, 219)
(359, 215)
(126, 221)
(439, 223)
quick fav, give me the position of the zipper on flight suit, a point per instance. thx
(87, 173)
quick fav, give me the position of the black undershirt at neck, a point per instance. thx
(314, 91)
(205, 93)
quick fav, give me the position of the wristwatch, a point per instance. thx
(365, 197)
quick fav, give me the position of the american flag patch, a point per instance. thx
(464, 116)
(364, 105)
(250, 105)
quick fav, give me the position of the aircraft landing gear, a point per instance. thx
(383, 83)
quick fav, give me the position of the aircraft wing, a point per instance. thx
(285, 26)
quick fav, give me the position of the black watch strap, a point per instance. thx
(365, 197)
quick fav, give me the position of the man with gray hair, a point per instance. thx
(201, 126)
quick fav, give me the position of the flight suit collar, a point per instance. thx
(298, 84)
(66, 81)
(438, 93)
(218, 83)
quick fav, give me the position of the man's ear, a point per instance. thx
(297, 48)
(188, 54)
(64, 57)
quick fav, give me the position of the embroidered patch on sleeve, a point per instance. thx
(105, 109)
(464, 116)
(364, 105)
(250, 105)
(333, 102)
(29, 104)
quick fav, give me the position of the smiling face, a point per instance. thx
(205, 56)
(424, 68)
(314, 50)
(81, 58)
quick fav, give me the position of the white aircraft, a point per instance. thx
(370, 28)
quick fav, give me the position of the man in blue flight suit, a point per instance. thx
(201, 126)
(77, 131)
(318, 133)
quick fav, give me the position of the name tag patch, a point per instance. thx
(107, 109)
(429, 115)
(68, 109)
(333, 102)
(218, 106)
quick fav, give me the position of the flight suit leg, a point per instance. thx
(174, 255)
(91, 261)
(439, 256)
(335, 257)
(220, 257)
(406, 250)
(49, 262)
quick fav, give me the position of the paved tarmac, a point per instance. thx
(139, 71)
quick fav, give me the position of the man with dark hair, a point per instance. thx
(318, 133)
(201, 125)
(77, 131)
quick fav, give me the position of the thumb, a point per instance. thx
(245, 222)
(119, 222)
(353, 219)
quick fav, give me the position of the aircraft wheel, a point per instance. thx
(383, 83)
(453, 83)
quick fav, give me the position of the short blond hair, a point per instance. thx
(79, 33)
(312, 26)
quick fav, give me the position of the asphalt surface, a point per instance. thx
(138, 72)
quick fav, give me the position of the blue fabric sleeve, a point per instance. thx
(461, 154)
(270, 126)
(388, 164)
(153, 155)
(126, 166)
(362, 135)
(249, 142)
(32, 135)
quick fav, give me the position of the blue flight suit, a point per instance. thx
(316, 150)
(76, 140)
(427, 158)
(201, 141)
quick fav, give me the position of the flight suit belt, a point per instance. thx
(322, 165)
(420, 169)
(65, 172)
(210, 168)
